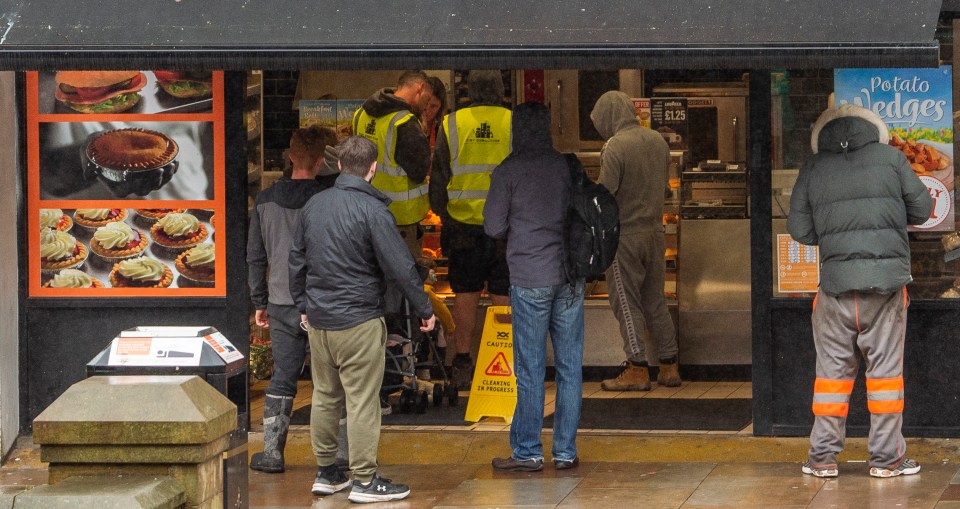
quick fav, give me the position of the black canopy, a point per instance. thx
(371, 34)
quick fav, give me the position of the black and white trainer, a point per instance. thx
(330, 479)
(377, 490)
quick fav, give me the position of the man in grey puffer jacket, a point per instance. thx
(633, 167)
(854, 199)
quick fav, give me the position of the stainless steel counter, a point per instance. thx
(713, 289)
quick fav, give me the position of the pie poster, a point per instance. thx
(917, 106)
(125, 183)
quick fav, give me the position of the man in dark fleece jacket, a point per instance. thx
(272, 225)
(389, 119)
(345, 248)
(527, 204)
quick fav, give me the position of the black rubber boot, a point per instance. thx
(276, 423)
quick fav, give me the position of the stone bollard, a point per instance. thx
(176, 426)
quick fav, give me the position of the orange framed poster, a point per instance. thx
(125, 184)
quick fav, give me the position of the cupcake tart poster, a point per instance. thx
(917, 107)
(125, 184)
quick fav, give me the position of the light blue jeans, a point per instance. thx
(536, 311)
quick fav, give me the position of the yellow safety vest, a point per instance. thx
(410, 200)
(479, 138)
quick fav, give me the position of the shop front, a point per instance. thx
(738, 141)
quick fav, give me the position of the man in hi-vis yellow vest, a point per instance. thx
(474, 141)
(389, 119)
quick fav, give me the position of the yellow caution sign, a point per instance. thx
(493, 391)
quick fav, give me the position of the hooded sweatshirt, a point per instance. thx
(854, 198)
(413, 147)
(272, 224)
(633, 163)
(527, 202)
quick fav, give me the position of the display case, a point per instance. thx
(714, 190)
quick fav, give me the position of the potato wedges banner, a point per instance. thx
(917, 106)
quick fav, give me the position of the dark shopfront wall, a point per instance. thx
(59, 337)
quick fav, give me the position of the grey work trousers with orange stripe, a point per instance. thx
(875, 323)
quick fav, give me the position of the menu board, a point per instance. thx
(798, 266)
(668, 116)
(125, 190)
(917, 106)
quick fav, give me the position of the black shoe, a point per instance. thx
(330, 479)
(514, 465)
(565, 464)
(377, 490)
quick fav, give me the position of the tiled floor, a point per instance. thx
(449, 467)
(620, 484)
(689, 390)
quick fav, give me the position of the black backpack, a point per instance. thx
(592, 227)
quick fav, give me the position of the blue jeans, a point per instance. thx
(536, 311)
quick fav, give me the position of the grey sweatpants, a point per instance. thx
(875, 324)
(635, 286)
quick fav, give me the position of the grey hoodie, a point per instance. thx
(854, 198)
(633, 163)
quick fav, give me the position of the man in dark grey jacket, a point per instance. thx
(345, 248)
(854, 199)
(272, 224)
(527, 204)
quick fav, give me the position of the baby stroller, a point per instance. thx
(411, 352)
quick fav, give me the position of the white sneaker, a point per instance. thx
(906, 467)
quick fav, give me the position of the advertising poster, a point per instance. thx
(345, 111)
(322, 113)
(642, 105)
(917, 106)
(668, 116)
(337, 115)
(125, 186)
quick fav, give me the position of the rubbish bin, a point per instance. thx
(202, 351)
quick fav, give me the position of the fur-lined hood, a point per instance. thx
(847, 128)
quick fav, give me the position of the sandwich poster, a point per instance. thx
(125, 191)
(917, 106)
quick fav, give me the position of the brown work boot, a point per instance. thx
(632, 378)
(669, 375)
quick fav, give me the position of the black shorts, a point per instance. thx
(475, 259)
